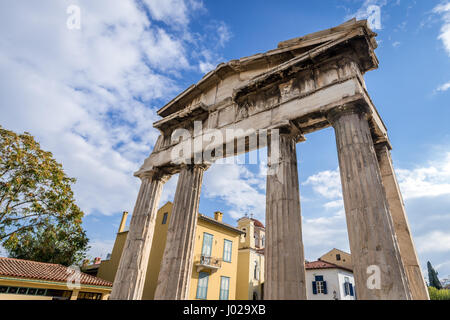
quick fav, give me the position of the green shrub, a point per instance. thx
(435, 294)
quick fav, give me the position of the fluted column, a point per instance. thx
(408, 252)
(176, 267)
(284, 255)
(377, 267)
(130, 277)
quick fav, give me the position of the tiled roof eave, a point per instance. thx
(38, 271)
(53, 282)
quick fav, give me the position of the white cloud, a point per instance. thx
(444, 87)
(427, 181)
(224, 33)
(434, 241)
(169, 190)
(370, 10)
(323, 233)
(3, 252)
(238, 187)
(334, 204)
(100, 248)
(326, 183)
(329, 230)
(443, 9)
(90, 95)
(206, 66)
(425, 190)
(168, 11)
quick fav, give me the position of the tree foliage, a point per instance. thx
(38, 213)
(433, 277)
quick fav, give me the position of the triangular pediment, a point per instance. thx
(220, 83)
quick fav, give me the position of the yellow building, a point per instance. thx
(339, 258)
(251, 260)
(215, 270)
(31, 280)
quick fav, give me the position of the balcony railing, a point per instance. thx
(210, 263)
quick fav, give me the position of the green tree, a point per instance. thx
(433, 277)
(39, 219)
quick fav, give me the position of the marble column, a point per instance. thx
(130, 277)
(377, 267)
(176, 267)
(408, 252)
(284, 255)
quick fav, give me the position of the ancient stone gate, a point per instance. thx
(304, 85)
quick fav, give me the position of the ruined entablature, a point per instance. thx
(300, 81)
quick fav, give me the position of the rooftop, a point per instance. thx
(219, 223)
(258, 223)
(27, 269)
(323, 265)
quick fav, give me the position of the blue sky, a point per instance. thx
(90, 96)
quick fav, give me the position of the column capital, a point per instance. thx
(383, 144)
(289, 128)
(202, 166)
(334, 114)
(154, 174)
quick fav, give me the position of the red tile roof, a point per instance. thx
(44, 271)
(322, 265)
(258, 223)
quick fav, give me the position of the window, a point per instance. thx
(348, 287)
(243, 235)
(207, 244)
(166, 214)
(202, 287)
(41, 292)
(22, 291)
(32, 291)
(89, 296)
(224, 288)
(63, 294)
(256, 240)
(319, 286)
(256, 271)
(13, 290)
(59, 294)
(227, 250)
(338, 257)
(263, 241)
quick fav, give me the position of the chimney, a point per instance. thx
(97, 260)
(123, 222)
(85, 262)
(218, 216)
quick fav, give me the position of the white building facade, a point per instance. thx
(326, 281)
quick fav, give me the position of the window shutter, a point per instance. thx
(314, 287)
(351, 289)
(325, 291)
